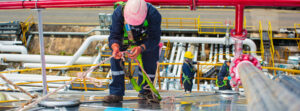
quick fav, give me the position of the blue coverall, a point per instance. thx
(149, 57)
(224, 72)
(188, 72)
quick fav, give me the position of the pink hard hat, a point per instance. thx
(135, 12)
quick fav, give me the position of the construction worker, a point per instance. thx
(135, 27)
(224, 77)
(188, 72)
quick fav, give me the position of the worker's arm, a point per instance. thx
(116, 28)
(154, 31)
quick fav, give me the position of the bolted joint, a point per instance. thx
(242, 36)
(235, 77)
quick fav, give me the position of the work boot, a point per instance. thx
(149, 97)
(112, 99)
(145, 95)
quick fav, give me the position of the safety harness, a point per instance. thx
(185, 77)
(130, 41)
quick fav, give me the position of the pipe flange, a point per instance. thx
(235, 77)
(239, 37)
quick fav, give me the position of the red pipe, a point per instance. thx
(239, 4)
(86, 3)
(239, 15)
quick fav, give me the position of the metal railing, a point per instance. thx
(297, 36)
(83, 83)
(203, 27)
(26, 25)
(262, 49)
(272, 50)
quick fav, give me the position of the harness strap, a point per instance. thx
(186, 78)
(224, 83)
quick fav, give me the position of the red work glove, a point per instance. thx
(116, 51)
(135, 52)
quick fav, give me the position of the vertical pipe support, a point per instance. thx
(42, 51)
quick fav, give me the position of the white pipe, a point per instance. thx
(30, 77)
(10, 42)
(211, 52)
(38, 65)
(195, 59)
(98, 58)
(227, 52)
(221, 53)
(195, 53)
(177, 83)
(85, 45)
(203, 55)
(177, 61)
(216, 52)
(208, 40)
(170, 66)
(50, 59)
(13, 48)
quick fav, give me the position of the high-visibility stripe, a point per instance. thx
(116, 73)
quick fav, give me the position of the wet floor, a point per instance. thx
(197, 101)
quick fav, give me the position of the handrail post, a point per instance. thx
(198, 77)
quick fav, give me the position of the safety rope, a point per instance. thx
(82, 75)
(17, 87)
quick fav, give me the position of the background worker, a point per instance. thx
(144, 22)
(188, 72)
(224, 77)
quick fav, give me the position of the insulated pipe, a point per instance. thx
(208, 40)
(290, 83)
(177, 83)
(177, 60)
(85, 45)
(195, 59)
(13, 48)
(215, 53)
(31, 77)
(170, 66)
(10, 42)
(203, 55)
(98, 58)
(50, 59)
(221, 54)
(227, 39)
(38, 65)
(264, 94)
(211, 52)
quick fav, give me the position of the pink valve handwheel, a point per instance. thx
(235, 77)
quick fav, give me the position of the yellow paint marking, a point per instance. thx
(208, 105)
(185, 102)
